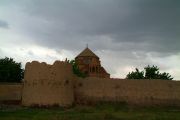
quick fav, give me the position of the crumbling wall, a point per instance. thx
(47, 85)
(139, 92)
(10, 93)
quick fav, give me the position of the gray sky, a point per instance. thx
(124, 33)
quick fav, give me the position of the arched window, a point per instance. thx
(96, 69)
(93, 69)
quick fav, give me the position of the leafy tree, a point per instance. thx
(136, 75)
(76, 70)
(10, 71)
(165, 76)
(150, 72)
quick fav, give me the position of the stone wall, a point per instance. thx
(10, 93)
(48, 84)
(139, 92)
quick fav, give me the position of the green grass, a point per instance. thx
(103, 111)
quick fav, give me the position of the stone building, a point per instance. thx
(89, 63)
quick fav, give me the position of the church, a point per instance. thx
(89, 63)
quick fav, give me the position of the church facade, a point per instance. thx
(89, 63)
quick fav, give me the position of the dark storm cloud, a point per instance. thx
(156, 23)
(3, 24)
(128, 24)
(123, 33)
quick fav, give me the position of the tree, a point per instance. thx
(136, 75)
(150, 72)
(10, 71)
(165, 76)
(76, 70)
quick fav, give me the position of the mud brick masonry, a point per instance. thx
(46, 85)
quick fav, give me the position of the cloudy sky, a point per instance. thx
(125, 34)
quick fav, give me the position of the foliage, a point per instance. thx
(150, 72)
(10, 71)
(136, 75)
(76, 70)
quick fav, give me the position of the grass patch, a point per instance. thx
(100, 111)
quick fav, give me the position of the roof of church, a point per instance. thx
(87, 53)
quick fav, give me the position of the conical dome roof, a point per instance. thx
(87, 53)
